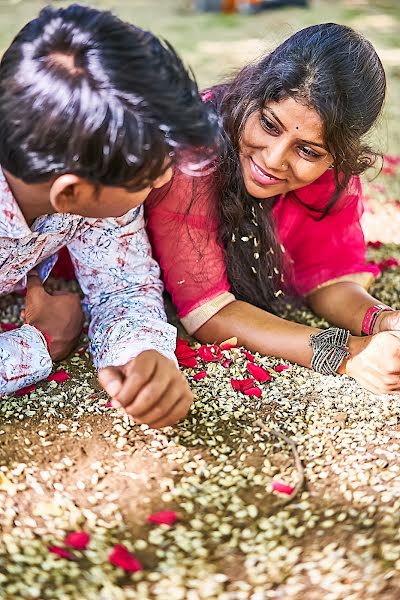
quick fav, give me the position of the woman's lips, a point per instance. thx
(261, 176)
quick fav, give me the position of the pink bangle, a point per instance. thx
(371, 316)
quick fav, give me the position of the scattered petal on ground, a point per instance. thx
(228, 344)
(8, 326)
(258, 372)
(280, 368)
(375, 245)
(77, 539)
(26, 390)
(210, 353)
(200, 375)
(61, 552)
(164, 517)
(59, 376)
(248, 355)
(282, 488)
(121, 557)
(246, 386)
(388, 262)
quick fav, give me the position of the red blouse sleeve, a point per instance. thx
(184, 239)
(322, 251)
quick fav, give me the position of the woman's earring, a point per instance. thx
(332, 166)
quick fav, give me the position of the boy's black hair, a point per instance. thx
(83, 92)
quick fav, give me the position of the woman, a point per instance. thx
(281, 212)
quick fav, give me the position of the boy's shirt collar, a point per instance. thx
(12, 221)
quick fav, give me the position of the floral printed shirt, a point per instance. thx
(117, 274)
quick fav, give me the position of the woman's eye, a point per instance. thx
(268, 125)
(308, 152)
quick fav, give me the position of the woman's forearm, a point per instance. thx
(343, 304)
(259, 331)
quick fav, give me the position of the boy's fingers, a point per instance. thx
(137, 373)
(152, 403)
(111, 380)
(176, 414)
(33, 282)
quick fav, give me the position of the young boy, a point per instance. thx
(93, 114)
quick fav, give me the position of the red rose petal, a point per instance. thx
(278, 486)
(107, 404)
(121, 557)
(246, 386)
(25, 390)
(61, 552)
(248, 355)
(164, 517)
(185, 352)
(258, 372)
(226, 363)
(181, 342)
(200, 375)
(228, 344)
(8, 326)
(210, 353)
(253, 391)
(388, 262)
(376, 244)
(280, 368)
(59, 376)
(188, 362)
(77, 539)
(392, 159)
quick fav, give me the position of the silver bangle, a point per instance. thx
(329, 350)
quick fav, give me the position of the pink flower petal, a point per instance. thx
(107, 404)
(77, 539)
(246, 386)
(185, 352)
(25, 390)
(392, 159)
(258, 372)
(8, 326)
(210, 353)
(388, 262)
(226, 363)
(188, 362)
(376, 244)
(181, 342)
(164, 517)
(121, 557)
(280, 368)
(228, 344)
(248, 355)
(59, 376)
(278, 486)
(253, 391)
(61, 552)
(200, 375)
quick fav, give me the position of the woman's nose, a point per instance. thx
(276, 155)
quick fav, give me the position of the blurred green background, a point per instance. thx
(214, 45)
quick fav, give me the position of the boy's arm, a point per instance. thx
(24, 358)
(123, 291)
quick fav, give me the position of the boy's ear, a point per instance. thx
(67, 193)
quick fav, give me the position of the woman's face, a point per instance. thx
(282, 149)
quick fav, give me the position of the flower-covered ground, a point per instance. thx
(281, 483)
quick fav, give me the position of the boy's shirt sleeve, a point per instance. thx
(123, 290)
(24, 359)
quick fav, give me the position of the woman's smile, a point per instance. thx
(261, 176)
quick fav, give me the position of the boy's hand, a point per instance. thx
(59, 315)
(150, 388)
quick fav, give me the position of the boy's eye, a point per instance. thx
(268, 125)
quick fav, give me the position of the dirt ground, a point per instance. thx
(69, 463)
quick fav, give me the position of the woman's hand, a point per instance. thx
(375, 362)
(59, 315)
(150, 388)
(388, 320)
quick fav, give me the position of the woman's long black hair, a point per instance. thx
(330, 68)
